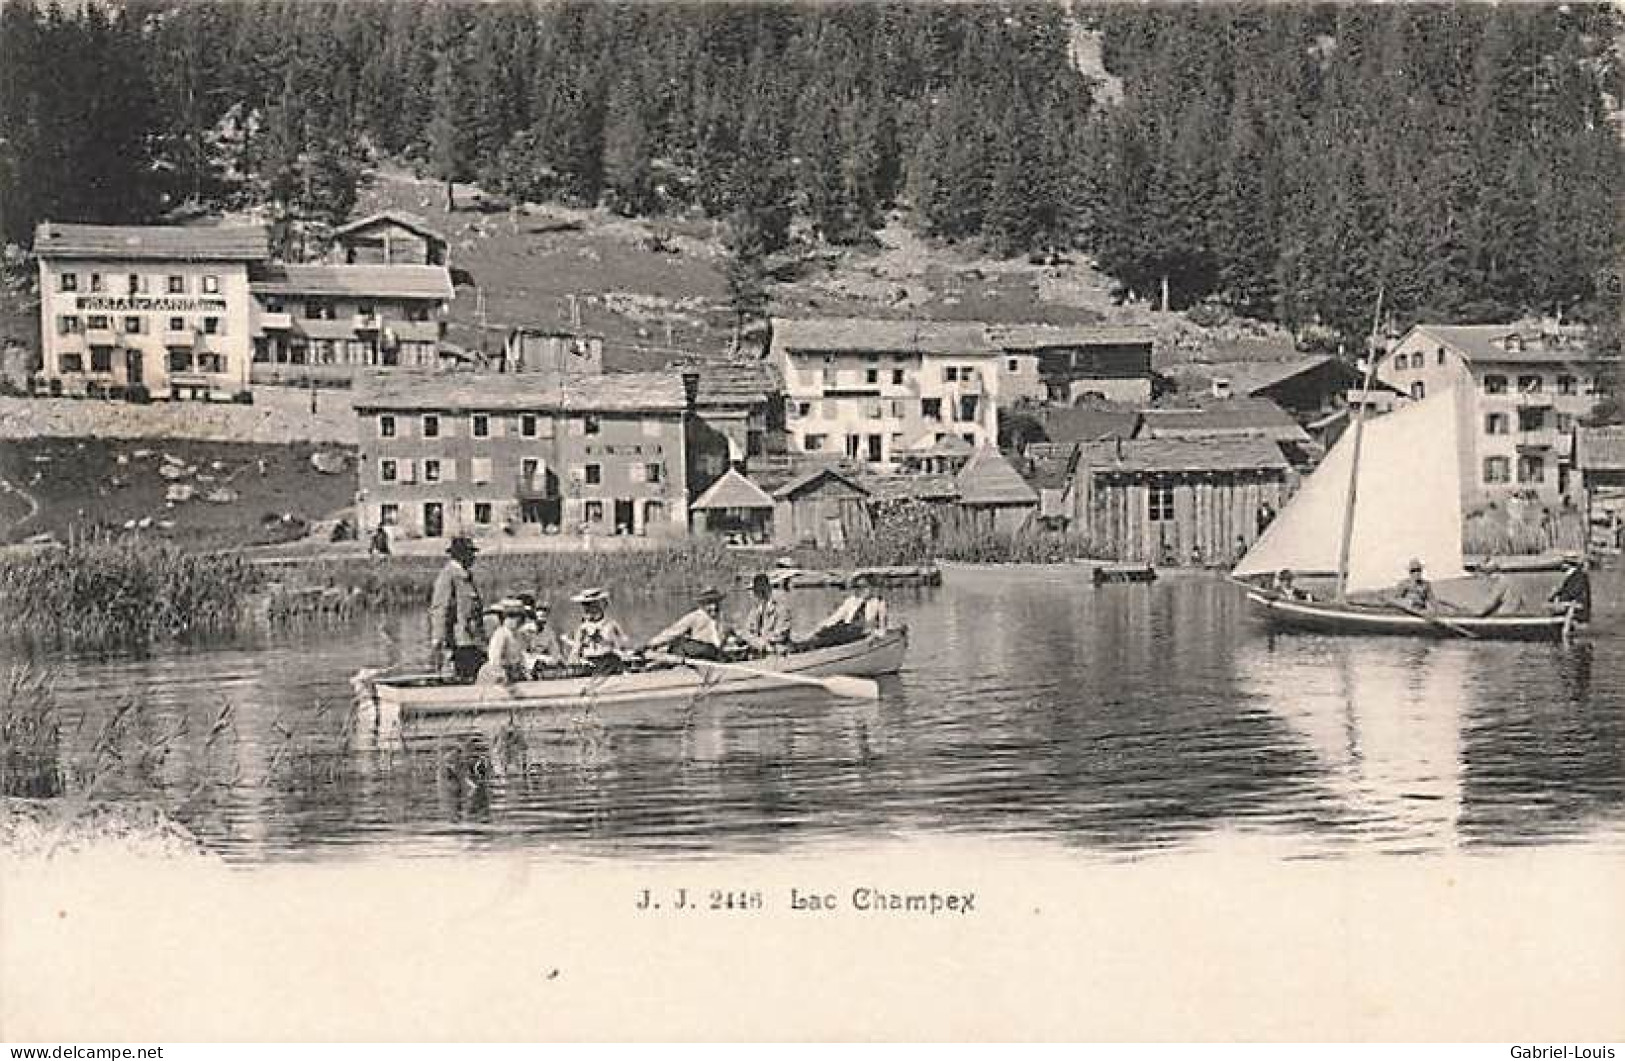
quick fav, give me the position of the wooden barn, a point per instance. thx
(992, 494)
(1176, 500)
(735, 508)
(822, 507)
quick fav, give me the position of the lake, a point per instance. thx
(1118, 721)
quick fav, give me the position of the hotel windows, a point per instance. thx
(431, 425)
(1419, 390)
(68, 282)
(1495, 424)
(1531, 469)
(386, 426)
(813, 443)
(527, 425)
(1015, 365)
(95, 283)
(180, 361)
(653, 512)
(207, 362)
(1497, 470)
(319, 309)
(594, 511)
(211, 325)
(897, 377)
(482, 512)
(1441, 355)
(950, 374)
(1566, 385)
(593, 474)
(871, 409)
(931, 408)
(386, 471)
(652, 472)
(132, 325)
(871, 375)
(1401, 362)
(1161, 502)
(389, 515)
(480, 425)
(431, 471)
(590, 425)
(211, 286)
(71, 362)
(176, 285)
(137, 283)
(1531, 419)
(101, 359)
(177, 324)
(96, 322)
(1495, 384)
(966, 411)
(1529, 384)
(68, 325)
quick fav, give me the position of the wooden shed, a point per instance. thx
(822, 507)
(1176, 500)
(735, 508)
(992, 494)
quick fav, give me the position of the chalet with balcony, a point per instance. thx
(392, 237)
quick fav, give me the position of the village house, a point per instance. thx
(1176, 500)
(483, 453)
(1042, 363)
(738, 418)
(1600, 456)
(392, 237)
(159, 311)
(1527, 387)
(869, 390)
(1319, 392)
(1226, 416)
(327, 322)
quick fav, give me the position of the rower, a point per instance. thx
(1414, 592)
(699, 634)
(600, 643)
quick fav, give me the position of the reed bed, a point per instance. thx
(119, 593)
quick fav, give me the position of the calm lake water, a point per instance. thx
(1119, 721)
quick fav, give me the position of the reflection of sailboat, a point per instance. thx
(1385, 728)
(1388, 492)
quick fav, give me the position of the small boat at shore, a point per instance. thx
(834, 668)
(1332, 618)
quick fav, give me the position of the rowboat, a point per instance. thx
(1333, 618)
(406, 696)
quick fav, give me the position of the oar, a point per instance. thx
(838, 685)
(1455, 628)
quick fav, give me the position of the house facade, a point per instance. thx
(1528, 390)
(483, 453)
(328, 322)
(868, 390)
(164, 311)
(1063, 366)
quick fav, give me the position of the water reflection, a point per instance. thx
(1120, 720)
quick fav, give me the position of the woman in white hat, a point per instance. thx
(505, 654)
(600, 643)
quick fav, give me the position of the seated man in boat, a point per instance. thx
(1414, 592)
(700, 634)
(1575, 590)
(542, 649)
(1286, 587)
(860, 615)
(505, 654)
(600, 643)
(766, 629)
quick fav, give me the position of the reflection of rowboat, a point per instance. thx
(1349, 618)
(875, 655)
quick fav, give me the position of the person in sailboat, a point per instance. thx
(1575, 590)
(1414, 592)
(1285, 586)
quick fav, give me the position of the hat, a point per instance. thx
(785, 562)
(709, 595)
(761, 578)
(462, 544)
(595, 595)
(508, 606)
(1414, 565)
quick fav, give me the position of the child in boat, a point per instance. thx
(542, 649)
(600, 643)
(505, 654)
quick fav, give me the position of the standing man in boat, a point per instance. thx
(700, 634)
(456, 614)
(767, 625)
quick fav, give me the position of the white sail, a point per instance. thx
(1407, 504)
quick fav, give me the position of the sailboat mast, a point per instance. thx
(1347, 542)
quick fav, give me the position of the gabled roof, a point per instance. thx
(988, 479)
(733, 490)
(1601, 449)
(1206, 417)
(811, 477)
(612, 392)
(1046, 336)
(900, 486)
(195, 243)
(1088, 422)
(736, 383)
(399, 217)
(1154, 455)
(1493, 343)
(871, 335)
(1251, 377)
(354, 281)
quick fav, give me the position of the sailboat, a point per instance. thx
(1388, 493)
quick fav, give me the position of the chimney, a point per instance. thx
(691, 387)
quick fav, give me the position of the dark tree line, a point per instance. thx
(1283, 160)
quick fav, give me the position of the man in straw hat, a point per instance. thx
(700, 634)
(456, 614)
(600, 643)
